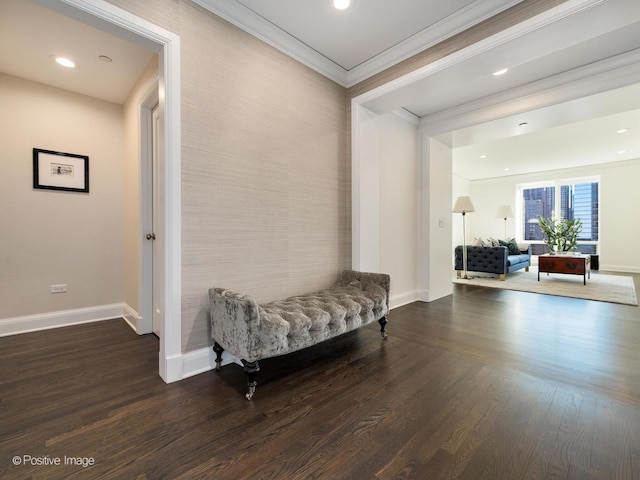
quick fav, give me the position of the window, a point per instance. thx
(562, 199)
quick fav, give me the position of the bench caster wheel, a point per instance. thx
(251, 369)
(249, 395)
(383, 324)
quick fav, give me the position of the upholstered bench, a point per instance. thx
(253, 332)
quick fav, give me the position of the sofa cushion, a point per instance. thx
(515, 259)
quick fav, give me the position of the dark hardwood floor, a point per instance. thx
(483, 384)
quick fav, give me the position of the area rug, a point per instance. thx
(601, 287)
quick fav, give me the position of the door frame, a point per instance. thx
(116, 21)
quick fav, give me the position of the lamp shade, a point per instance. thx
(504, 211)
(463, 205)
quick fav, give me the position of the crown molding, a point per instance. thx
(564, 10)
(252, 23)
(460, 21)
(407, 116)
(614, 72)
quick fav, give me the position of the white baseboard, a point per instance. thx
(431, 295)
(203, 360)
(619, 268)
(65, 318)
(401, 299)
(178, 367)
(132, 318)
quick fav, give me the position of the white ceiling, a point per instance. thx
(353, 44)
(368, 28)
(574, 133)
(31, 34)
(371, 35)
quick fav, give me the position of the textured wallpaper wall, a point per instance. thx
(265, 182)
(265, 178)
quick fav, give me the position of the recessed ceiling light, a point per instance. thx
(483, 156)
(65, 62)
(506, 169)
(622, 130)
(105, 59)
(500, 72)
(341, 4)
(620, 152)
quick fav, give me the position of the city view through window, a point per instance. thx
(562, 201)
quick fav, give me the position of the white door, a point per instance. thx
(156, 228)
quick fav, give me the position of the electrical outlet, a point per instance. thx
(61, 288)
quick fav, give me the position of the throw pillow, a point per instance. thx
(478, 242)
(511, 245)
(493, 242)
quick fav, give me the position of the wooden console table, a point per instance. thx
(568, 264)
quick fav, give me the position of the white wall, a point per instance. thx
(388, 201)
(366, 256)
(437, 221)
(398, 206)
(619, 198)
(56, 237)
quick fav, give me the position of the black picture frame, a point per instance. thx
(60, 171)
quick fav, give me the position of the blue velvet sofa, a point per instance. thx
(495, 260)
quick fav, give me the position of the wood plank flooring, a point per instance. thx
(483, 384)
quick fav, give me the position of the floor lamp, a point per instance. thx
(464, 205)
(505, 211)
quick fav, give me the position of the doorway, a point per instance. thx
(433, 239)
(119, 22)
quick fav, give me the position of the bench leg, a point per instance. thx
(251, 369)
(383, 323)
(218, 351)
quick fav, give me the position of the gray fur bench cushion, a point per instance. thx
(253, 332)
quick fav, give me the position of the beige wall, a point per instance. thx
(52, 237)
(265, 206)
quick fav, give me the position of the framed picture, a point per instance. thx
(60, 171)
